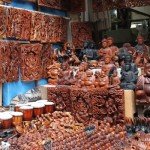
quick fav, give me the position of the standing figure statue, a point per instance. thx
(143, 86)
(142, 52)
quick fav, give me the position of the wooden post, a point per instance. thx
(129, 98)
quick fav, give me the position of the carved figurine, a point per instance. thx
(53, 73)
(114, 80)
(129, 74)
(88, 80)
(108, 65)
(65, 74)
(105, 50)
(70, 53)
(142, 52)
(113, 48)
(143, 86)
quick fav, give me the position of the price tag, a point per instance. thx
(48, 145)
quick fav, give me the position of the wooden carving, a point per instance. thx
(77, 6)
(9, 68)
(81, 31)
(55, 4)
(2, 22)
(100, 5)
(31, 64)
(88, 104)
(46, 58)
(18, 24)
(36, 26)
(48, 29)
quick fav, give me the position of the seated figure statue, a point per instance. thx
(129, 74)
(143, 86)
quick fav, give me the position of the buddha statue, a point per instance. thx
(105, 50)
(65, 74)
(103, 80)
(143, 86)
(108, 65)
(111, 45)
(129, 74)
(88, 80)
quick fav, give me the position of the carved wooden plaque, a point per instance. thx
(2, 22)
(36, 26)
(9, 69)
(55, 4)
(18, 24)
(81, 31)
(77, 6)
(31, 64)
(46, 58)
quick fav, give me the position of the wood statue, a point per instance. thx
(143, 86)
(142, 52)
(129, 74)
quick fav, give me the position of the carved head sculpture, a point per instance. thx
(127, 67)
(65, 66)
(83, 66)
(103, 73)
(110, 41)
(97, 74)
(128, 59)
(147, 69)
(107, 59)
(89, 73)
(140, 40)
(86, 44)
(104, 43)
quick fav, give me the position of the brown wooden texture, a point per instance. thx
(31, 64)
(88, 104)
(18, 24)
(2, 22)
(46, 58)
(9, 68)
(81, 31)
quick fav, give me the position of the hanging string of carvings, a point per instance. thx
(2, 22)
(81, 31)
(103, 5)
(9, 59)
(31, 64)
(46, 58)
(18, 24)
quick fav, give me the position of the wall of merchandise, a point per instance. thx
(24, 37)
(29, 32)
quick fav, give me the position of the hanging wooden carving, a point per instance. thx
(31, 64)
(46, 58)
(18, 24)
(81, 31)
(48, 28)
(55, 4)
(36, 26)
(2, 22)
(103, 5)
(63, 30)
(9, 68)
(77, 6)
(137, 3)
